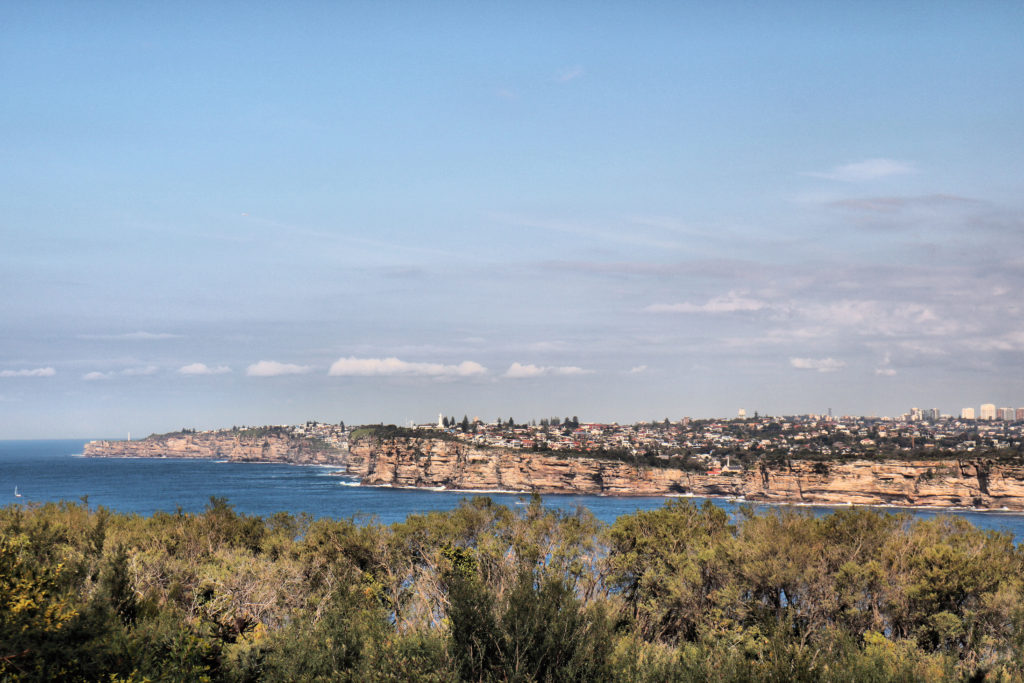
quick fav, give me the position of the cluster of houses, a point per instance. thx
(715, 440)
(726, 444)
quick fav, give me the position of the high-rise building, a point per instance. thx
(1020, 414)
(1006, 414)
(988, 411)
(967, 414)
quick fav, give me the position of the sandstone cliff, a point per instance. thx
(416, 462)
(224, 445)
(435, 463)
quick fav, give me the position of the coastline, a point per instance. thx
(454, 466)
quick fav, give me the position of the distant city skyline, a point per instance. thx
(262, 214)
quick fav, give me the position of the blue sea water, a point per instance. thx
(52, 470)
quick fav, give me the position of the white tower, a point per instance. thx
(440, 420)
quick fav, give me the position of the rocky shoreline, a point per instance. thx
(226, 445)
(456, 466)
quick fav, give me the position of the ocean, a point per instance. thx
(53, 470)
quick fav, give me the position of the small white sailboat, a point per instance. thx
(16, 494)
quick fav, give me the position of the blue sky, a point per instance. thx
(266, 213)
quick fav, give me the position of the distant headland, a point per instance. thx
(742, 458)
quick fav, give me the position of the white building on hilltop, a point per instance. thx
(988, 411)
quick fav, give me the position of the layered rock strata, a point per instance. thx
(222, 446)
(435, 463)
(454, 465)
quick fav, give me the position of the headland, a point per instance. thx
(404, 458)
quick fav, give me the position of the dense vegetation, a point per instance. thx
(484, 593)
(384, 432)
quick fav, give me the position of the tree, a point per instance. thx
(465, 423)
(511, 423)
(444, 422)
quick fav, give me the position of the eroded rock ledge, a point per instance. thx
(224, 445)
(435, 463)
(418, 462)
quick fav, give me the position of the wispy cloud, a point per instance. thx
(548, 345)
(607, 234)
(871, 317)
(368, 367)
(896, 204)
(140, 371)
(34, 372)
(637, 370)
(570, 73)
(528, 370)
(271, 368)
(732, 302)
(819, 364)
(862, 171)
(1010, 341)
(203, 369)
(133, 336)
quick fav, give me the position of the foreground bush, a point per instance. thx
(682, 593)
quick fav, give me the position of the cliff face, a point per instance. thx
(433, 463)
(454, 465)
(221, 446)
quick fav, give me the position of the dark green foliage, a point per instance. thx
(482, 593)
(539, 632)
(386, 432)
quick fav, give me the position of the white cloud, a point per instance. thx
(528, 370)
(135, 372)
(877, 318)
(520, 371)
(819, 364)
(127, 372)
(271, 368)
(638, 369)
(869, 169)
(35, 372)
(886, 372)
(570, 370)
(203, 369)
(732, 302)
(1011, 341)
(367, 367)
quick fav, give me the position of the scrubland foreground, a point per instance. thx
(485, 593)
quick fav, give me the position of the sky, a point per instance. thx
(216, 214)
